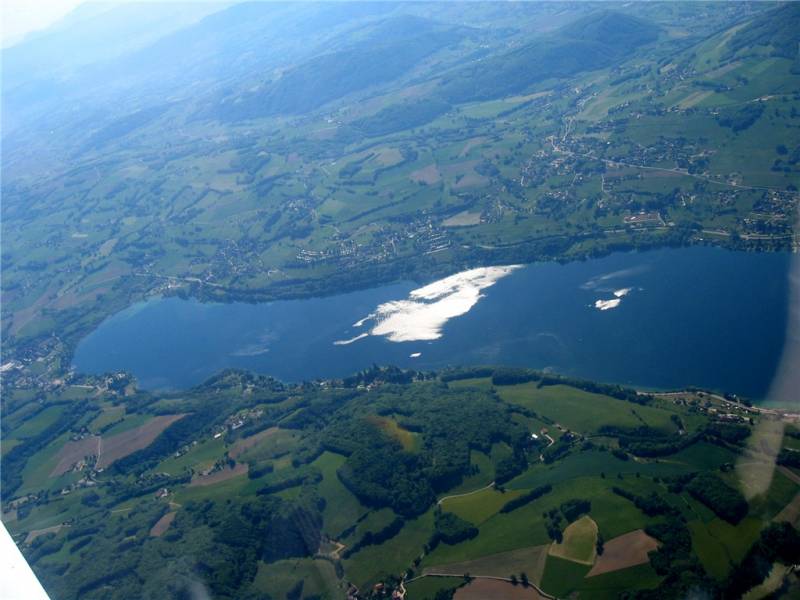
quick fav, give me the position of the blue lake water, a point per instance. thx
(690, 316)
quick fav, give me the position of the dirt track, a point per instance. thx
(219, 476)
(162, 524)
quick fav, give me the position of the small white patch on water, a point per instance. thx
(351, 340)
(360, 322)
(613, 302)
(250, 351)
(427, 309)
(415, 355)
(607, 304)
(598, 280)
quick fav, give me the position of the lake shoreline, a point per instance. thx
(544, 315)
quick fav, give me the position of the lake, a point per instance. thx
(661, 319)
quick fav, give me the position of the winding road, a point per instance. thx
(486, 487)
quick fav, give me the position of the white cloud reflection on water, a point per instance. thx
(425, 312)
(613, 302)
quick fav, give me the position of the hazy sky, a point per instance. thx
(20, 17)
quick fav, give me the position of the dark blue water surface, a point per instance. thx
(695, 316)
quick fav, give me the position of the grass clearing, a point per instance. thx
(579, 543)
(407, 439)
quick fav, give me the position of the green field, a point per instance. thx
(483, 477)
(530, 561)
(426, 588)
(110, 414)
(275, 445)
(342, 508)
(609, 586)
(279, 578)
(478, 507)
(720, 545)
(306, 487)
(199, 457)
(131, 421)
(562, 576)
(392, 557)
(583, 411)
(235, 486)
(526, 526)
(40, 421)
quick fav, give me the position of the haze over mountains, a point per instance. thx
(296, 298)
(247, 60)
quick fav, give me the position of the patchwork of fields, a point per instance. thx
(591, 513)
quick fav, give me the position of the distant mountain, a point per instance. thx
(593, 42)
(252, 60)
(235, 47)
(380, 54)
(618, 32)
(97, 33)
(778, 28)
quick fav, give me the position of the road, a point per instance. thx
(486, 487)
(552, 441)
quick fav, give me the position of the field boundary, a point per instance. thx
(539, 590)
